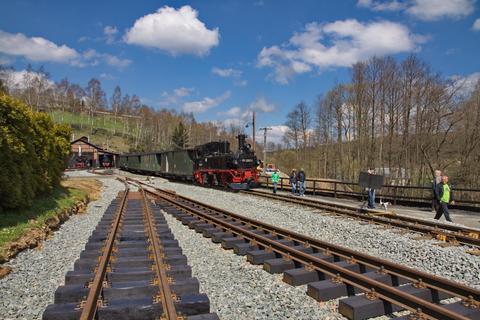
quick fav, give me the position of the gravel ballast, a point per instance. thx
(451, 262)
(27, 291)
(239, 290)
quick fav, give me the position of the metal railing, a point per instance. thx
(465, 198)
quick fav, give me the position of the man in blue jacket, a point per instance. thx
(445, 196)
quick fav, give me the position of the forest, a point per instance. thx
(401, 118)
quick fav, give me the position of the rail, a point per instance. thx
(91, 304)
(465, 198)
(245, 228)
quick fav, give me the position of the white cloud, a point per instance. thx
(21, 79)
(232, 112)
(174, 31)
(436, 9)
(110, 32)
(115, 61)
(182, 92)
(275, 135)
(35, 48)
(464, 85)
(231, 73)
(174, 97)
(428, 10)
(226, 73)
(476, 25)
(393, 5)
(337, 44)
(107, 76)
(40, 49)
(205, 104)
(261, 104)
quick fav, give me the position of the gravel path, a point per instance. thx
(452, 262)
(239, 290)
(27, 291)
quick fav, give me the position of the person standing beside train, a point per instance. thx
(293, 181)
(275, 179)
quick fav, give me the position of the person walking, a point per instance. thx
(371, 192)
(275, 179)
(293, 181)
(437, 179)
(301, 180)
(445, 196)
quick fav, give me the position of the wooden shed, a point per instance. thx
(84, 154)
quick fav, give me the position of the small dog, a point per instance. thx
(385, 204)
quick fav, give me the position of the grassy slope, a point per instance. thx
(13, 224)
(105, 130)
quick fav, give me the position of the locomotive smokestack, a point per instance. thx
(241, 141)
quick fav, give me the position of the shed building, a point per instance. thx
(84, 154)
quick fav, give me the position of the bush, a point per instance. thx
(33, 152)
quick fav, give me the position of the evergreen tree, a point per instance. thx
(180, 137)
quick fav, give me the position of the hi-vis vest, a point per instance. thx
(446, 194)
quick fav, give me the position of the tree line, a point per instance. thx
(145, 128)
(401, 118)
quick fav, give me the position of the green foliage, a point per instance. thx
(33, 150)
(180, 136)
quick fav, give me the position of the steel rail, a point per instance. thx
(460, 234)
(433, 282)
(383, 291)
(166, 296)
(90, 307)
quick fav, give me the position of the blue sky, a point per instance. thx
(221, 59)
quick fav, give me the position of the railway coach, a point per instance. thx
(210, 164)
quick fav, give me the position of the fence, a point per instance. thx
(465, 198)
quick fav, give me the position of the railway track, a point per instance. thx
(375, 286)
(450, 234)
(131, 268)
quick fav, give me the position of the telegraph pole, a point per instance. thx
(253, 133)
(265, 129)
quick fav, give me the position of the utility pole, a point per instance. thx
(265, 129)
(253, 130)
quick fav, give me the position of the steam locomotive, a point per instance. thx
(210, 164)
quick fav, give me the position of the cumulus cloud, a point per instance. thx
(261, 104)
(275, 135)
(174, 97)
(427, 10)
(437, 9)
(232, 112)
(230, 73)
(463, 86)
(205, 104)
(41, 49)
(35, 48)
(476, 25)
(337, 44)
(174, 31)
(110, 33)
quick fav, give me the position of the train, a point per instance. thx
(209, 164)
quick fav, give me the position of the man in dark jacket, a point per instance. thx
(437, 179)
(445, 196)
(301, 179)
